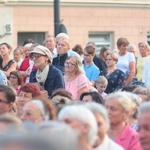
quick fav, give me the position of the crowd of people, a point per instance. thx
(53, 96)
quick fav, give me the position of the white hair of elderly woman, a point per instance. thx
(123, 99)
(136, 102)
(145, 107)
(98, 108)
(82, 114)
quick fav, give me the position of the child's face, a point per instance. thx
(101, 87)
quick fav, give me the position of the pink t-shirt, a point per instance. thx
(78, 83)
(129, 139)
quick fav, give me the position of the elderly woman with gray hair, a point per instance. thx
(119, 107)
(46, 75)
(103, 142)
(136, 101)
(38, 110)
(83, 121)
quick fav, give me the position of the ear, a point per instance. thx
(126, 114)
(10, 106)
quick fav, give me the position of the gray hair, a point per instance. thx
(131, 47)
(143, 91)
(98, 108)
(84, 115)
(62, 35)
(63, 137)
(144, 107)
(136, 100)
(123, 99)
(80, 69)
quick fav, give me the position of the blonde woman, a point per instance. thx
(115, 77)
(144, 50)
(75, 80)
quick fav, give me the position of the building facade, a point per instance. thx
(86, 20)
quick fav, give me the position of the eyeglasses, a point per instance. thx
(36, 56)
(69, 64)
(13, 77)
(109, 59)
(86, 55)
(4, 101)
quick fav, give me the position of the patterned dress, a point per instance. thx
(116, 80)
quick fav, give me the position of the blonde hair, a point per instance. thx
(101, 79)
(113, 55)
(146, 45)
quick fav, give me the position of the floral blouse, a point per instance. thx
(116, 80)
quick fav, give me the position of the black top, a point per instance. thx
(99, 63)
(59, 61)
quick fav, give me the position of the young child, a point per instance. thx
(101, 84)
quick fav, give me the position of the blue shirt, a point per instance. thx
(92, 71)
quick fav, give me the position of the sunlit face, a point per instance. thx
(102, 127)
(4, 50)
(87, 98)
(110, 61)
(17, 56)
(123, 48)
(101, 87)
(143, 50)
(115, 112)
(23, 97)
(70, 65)
(31, 112)
(62, 46)
(50, 43)
(88, 58)
(13, 79)
(39, 60)
(144, 130)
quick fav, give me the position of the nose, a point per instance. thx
(23, 117)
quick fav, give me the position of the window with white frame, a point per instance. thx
(102, 39)
(38, 37)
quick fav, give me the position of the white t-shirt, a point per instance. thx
(124, 61)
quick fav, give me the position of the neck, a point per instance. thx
(122, 53)
(6, 57)
(15, 85)
(111, 68)
(99, 141)
(87, 64)
(84, 144)
(131, 121)
(70, 75)
(42, 67)
(144, 54)
(115, 130)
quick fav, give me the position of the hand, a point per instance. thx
(44, 94)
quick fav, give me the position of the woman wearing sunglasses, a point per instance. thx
(46, 75)
(75, 80)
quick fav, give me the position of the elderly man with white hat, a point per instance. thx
(46, 75)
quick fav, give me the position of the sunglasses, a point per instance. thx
(36, 56)
(69, 64)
